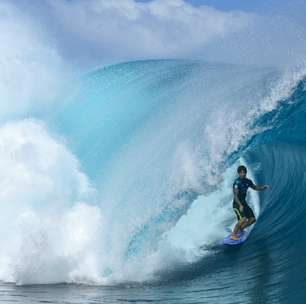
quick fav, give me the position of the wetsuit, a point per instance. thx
(242, 185)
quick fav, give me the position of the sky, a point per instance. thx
(258, 6)
(87, 34)
(229, 4)
(46, 43)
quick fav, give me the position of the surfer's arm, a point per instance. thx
(236, 198)
(260, 187)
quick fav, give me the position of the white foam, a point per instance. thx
(47, 231)
(32, 73)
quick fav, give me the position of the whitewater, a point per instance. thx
(128, 182)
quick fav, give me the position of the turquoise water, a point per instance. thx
(148, 151)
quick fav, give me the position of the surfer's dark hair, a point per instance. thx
(242, 168)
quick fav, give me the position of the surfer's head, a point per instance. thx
(242, 171)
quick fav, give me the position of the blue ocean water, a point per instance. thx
(158, 143)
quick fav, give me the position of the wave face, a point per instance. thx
(134, 176)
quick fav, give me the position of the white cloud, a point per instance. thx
(154, 29)
(90, 34)
(41, 45)
(95, 32)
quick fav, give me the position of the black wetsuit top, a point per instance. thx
(242, 185)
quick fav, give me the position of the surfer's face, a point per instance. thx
(242, 174)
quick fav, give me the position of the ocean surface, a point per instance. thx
(123, 191)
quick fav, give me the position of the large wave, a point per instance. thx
(132, 175)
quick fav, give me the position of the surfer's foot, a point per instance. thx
(234, 237)
(240, 233)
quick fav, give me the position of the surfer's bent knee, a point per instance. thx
(242, 220)
(252, 220)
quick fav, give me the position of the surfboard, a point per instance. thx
(242, 238)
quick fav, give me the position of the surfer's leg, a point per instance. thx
(240, 219)
(238, 227)
(248, 212)
(248, 223)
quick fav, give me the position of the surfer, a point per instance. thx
(243, 211)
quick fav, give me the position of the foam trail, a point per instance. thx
(210, 217)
